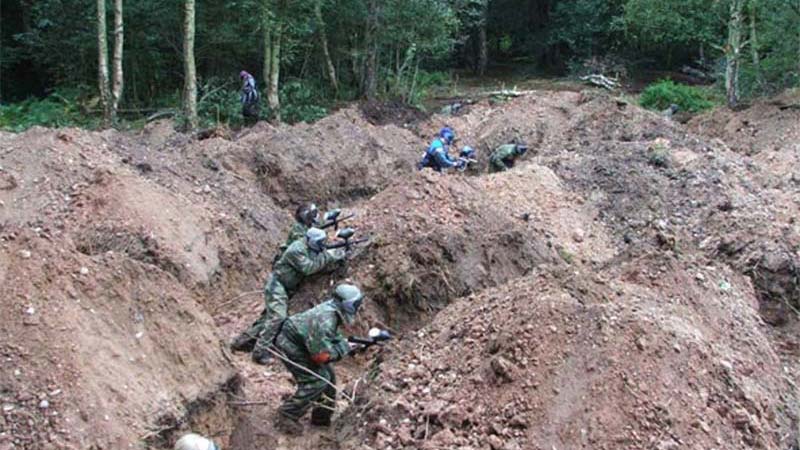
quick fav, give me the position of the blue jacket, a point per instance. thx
(436, 157)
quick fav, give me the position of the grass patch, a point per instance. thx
(661, 95)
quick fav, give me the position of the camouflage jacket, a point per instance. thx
(299, 262)
(296, 233)
(315, 331)
(503, 157)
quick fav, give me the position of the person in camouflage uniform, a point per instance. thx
(309, 342)
(503, 157)
(301, 260)
(305, 216)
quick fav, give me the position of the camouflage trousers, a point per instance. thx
(275, 309)
(312, 392)
(497, 165)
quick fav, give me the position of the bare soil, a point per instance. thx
(631, 283)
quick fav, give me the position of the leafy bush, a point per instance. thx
(59, 109)
(219, 104)
(301, 102)
(661, 95)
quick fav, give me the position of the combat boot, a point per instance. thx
(321, 417)
(243, 343)
(261, 356)
(287, 425)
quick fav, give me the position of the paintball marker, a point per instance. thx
(332, 219)
(345, 234)
(375, 336)
(465, 163)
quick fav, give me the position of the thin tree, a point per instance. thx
(1, 53)
(324, 41)
(116, 93)
(371, 38)
(189, 70)
(267, 43)
(102, 63)
(483, 48)
(273, 100)
(733, 52)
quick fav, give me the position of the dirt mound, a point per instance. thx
(576, 361)
(763, 130)
(394, 112)
(341, 157)
(105, 351)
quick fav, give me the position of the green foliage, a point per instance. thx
(664, 26)
(584, 26)
(301, 102)
(60, 109)
(219, 104)
(661, 95)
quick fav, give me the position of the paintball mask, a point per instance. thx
(193, 441)
(447, 134)
(521, 149)
(467, 152)
(349, 298)
(307, 214)
(316, 239)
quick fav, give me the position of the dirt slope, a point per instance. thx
(580, 361)
(608, 292)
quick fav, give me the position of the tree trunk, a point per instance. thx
(116, 93)
(1, 52)
(754, 45)
(324, 41)
(733, 53)
(483, 49)
(274, 74)
(267, 45)
(371, 77)
(102, 63)
(189, 69)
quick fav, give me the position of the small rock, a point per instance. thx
(30, 311)
(84, 271)
(700, 277)
(728, 366)
(677, 348)
(578, 235)
(724, 286)
(668, 444)
(25, 254)
(495, 443)
(44, 404)
(206, 189)
(553, 329)
(139, 335)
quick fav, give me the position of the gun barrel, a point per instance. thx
(347, 243)
(360, 340)
(336, 221)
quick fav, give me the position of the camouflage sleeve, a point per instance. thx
(325, 337)
(309, 263)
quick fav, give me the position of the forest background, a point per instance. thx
(100, 63)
